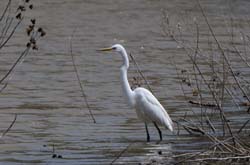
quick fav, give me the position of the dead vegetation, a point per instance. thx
(10, 21)
(214, 88)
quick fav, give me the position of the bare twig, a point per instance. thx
(24, 53)
(195, 75)
(222, 52)
(199, 153)
(219, 90)
(220, 159)
(210, 124)
(11, 125)
(182, 88)
(120, 154)
(140, 72)
(202, 104)
(243, 126)
(223, 117)
(242, 58)
(11, 34)
(5, 10)
(79, 81)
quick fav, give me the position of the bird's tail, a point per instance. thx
(168, 123)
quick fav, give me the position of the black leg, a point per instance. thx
(148, 137)
(159, 131)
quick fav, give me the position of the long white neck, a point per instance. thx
(129, 94)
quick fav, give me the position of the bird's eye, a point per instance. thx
(114, 48)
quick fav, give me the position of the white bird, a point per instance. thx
(147, 107)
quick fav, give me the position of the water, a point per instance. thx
(45, 94)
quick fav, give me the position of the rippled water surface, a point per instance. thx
(45, 94)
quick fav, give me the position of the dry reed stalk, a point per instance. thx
(221, 159)
(140, 72)
(183, 91)
(237, 147)
(10, 126)
(5, 10)
(243, 126)
(3, 43)
(200, 120)
(241, 57)
(201, 152)
(121, 153)
(23, 54)
(223, 117)
(222, 52)
(84, 96)
(217, 100)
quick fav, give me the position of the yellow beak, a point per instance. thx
(106, 49)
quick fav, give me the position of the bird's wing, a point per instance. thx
(152, 109)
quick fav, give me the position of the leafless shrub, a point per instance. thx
(9, 23)
(213, 83)
(8, 26)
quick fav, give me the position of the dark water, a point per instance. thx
(45, 94)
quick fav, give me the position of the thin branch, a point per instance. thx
(222, 52)
(241, 57)
(202, 104)
(221, 159)
(120, 154)
(5, 10)
(199, 153)
(24, 53)
(140, 72)
(5, 29)
(223, 117)
(79, 81)
(210, 124)
(8, 129)
(182, 88)
(196, 77)
(11, 34)
(243, 126)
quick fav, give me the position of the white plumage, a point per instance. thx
(148, 108)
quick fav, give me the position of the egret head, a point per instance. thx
(121, 50)
(116, 47)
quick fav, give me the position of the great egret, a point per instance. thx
(147, 107)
